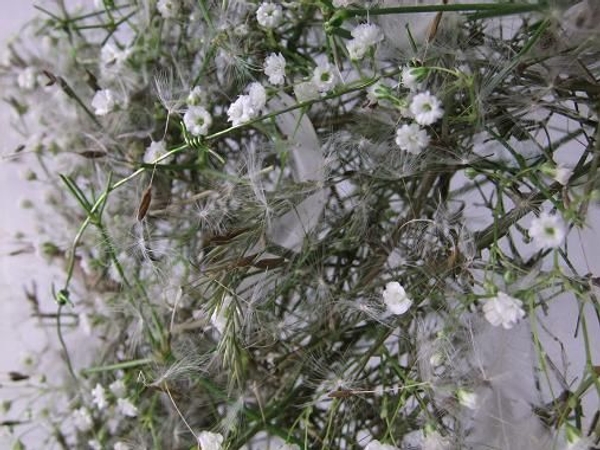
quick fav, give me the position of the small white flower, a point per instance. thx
(323, 77)
(118, 388)
(168, 8)
(306, 91)
(562, 174)
(241, 111)
(275, 68)
(196, 97)
(113, 59)
(104, 102)
(426, 108)
(126, 408)
(154, 151)
(210, 441)
(258, 96)
(99, 397)
(82, 419)
(547, 231)
(467, 399)
(365, 36)
(412, 138)
(503, 310)
(197, 120)
(376, 445)
(356, 49)
(395, 298)
(411, 78)
(269, 15)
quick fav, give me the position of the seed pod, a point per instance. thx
(145, 203)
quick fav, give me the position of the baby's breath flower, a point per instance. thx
(275, 68)
(104, 102)
(323, 77)
(197, 120)
(82, 419)
(342, 3)
(412, 138)
(210, 441)
(503, 310)
(258, 95)
(168, 8)
(126, 408)
(426, 108)
(412, 77)
(241, 111)
(99, 397)
(466, 398)
(154, 151)
(395, 298)
(196, 97)
(306, 91)
(365, 36)
(547, 230)
(118, 388)
(376, 445)
(269, 15)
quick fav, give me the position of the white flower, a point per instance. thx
(547, 230)
(341, 3)
(126, 408)
(99, 397)
(306, 91)
(269, 15)
(323, 77)
(395, 298)
(197, 96)
(168, 8)
(154, 151)
(376, 445)
(118, 388)
(241, 111)
(197, 120)
(82, 419)
(503, 310)
(426, 108)
(365, 36)
(275, 68)
(210, 441)
(411, 78)
(412, 138)
(562, 174)
(258, 96)
(104, 102)
(94, 445)
(467, 399)
(113, 59)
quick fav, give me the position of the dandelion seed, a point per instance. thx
(197, 120)
(210, 441)
(547, 231)
(324, 78)
(412, 138)
(104, 102)
(145, 203)
(269, 15)
(99, 397)
(126, 408)
(426, 108)
(395, 298)
(503, 310)
(274, 68)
